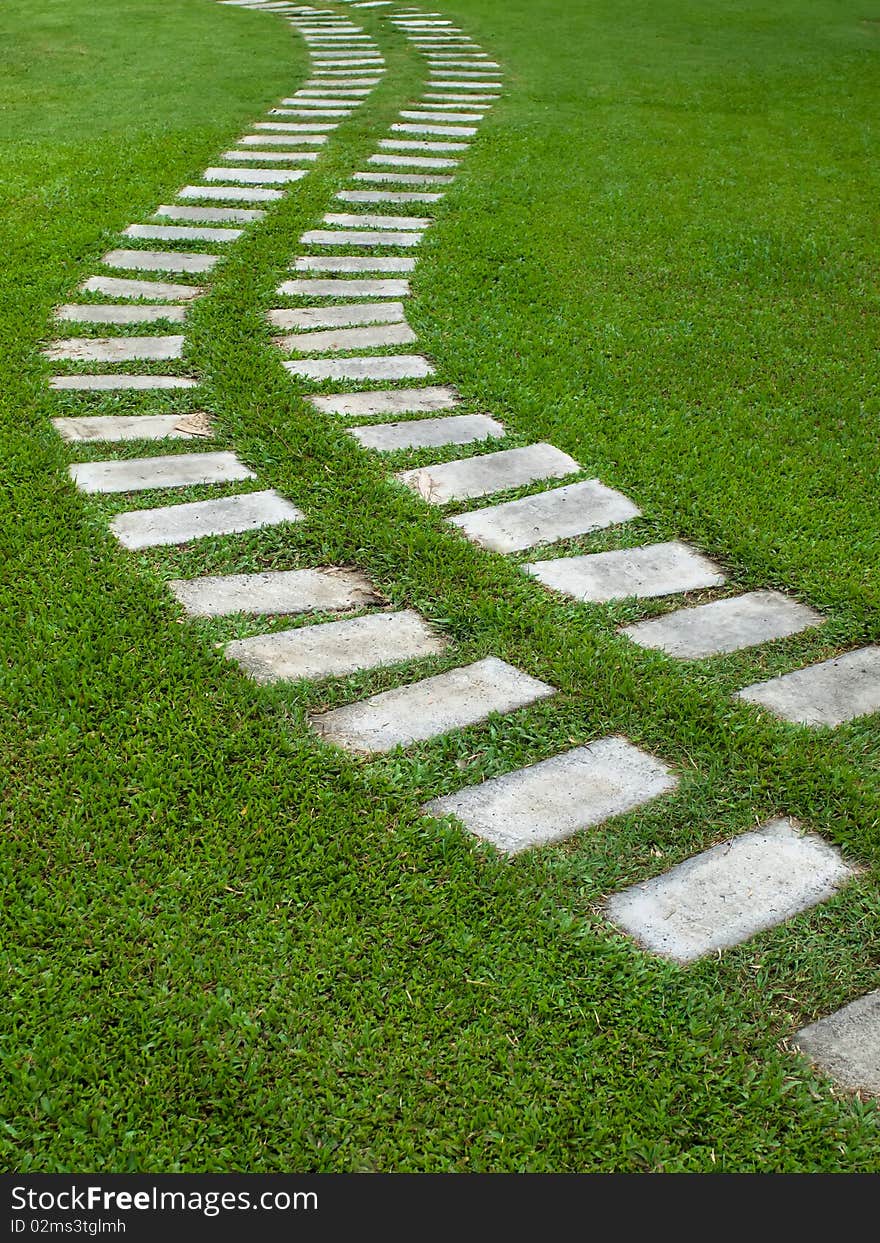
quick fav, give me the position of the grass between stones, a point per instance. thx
(234, 947)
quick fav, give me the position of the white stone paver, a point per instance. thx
(459, 429)
(332, 340)
(411, 115)
(359, 237)
(342, 288)
(387, 196)
(388, 401)
(491, 472)
(109, 313)
(219, 215)
(178, 524)
(276, 591)
(389, 367)
(173, 470)
(109, 383)
(161, 291)
(115, 349)
(653, 570)
(181, 233)
(561, 513)
(270, 157)
(724, 625)
(404, 179)
(295, 127)
(440, 148)
(829, 693)
(307, 139)
(731, 892)
(845, 1045)
(348, 220)
(413, 161)
(432, 707)
(345, 316)
(159, 261)
(232, 194)
(441, 131)
(556, 798)
(259, 176)
(117, 427)
(353, 263)
(336, 649)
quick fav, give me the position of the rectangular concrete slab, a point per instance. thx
(111, 314)
(724, 625)
(219, 215)
(452, 97)
(441, 131)
(334, 339)
(459, 429)
(181, 233)
(414, 144)
(178, 524)
(352, 263)
(159, 261)
(231, 194)
(388, 401)
(348, 315)
(111, 427)
(178, 470)
(348, 220)
(336, 649)
(359, 237)
(390, 367)
(344, 289)
(412, 161)
(296, 127)
(411, 115)
(556, 798)
(386, 196)
(731, 892)
(562, 513)
(431, 707)
(492, 472)
(404, 179)
(115, 349)
(276, 591)
(845, 1045)
(271, 157)
(829, 693)
(109, 383)
(653, 570)
(308, 139)
(258, 176)
(161, 291)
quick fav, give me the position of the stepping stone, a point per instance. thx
(562, 513)
(404, 179)
(724, 625)
(359, 94)
(178, 524)
(350, 221)
(159, 261)
(336, 649)
(655, 570)
(459, 86)
(107, 383)
(388, 401)
(113, 287)
(492, 472)
(276, 591)
(111, 314)
(296, 127)
(181, 233)
(351, 263)
(109, 427)
(344, 289)
(345, 82)
(238, 215)
(447, 131)
(347, 339)
(728, 894)
(430, 708)
(338, 316)
(429, 116)
(556, 798)
(280, 140)
(845, 1045)
(180, 470)
(391, 144)
(828, 693)
(390, 367)
(413, 161)
(386, 196)
(342, 62)
(449, 96)
(274, 157)
(459, 429)
(256, 175)
(341, 107)
(232, 194)
(359, 237)
(115, 349)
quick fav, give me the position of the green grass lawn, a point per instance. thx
(229, 947)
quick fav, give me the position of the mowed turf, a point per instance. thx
(230, 947)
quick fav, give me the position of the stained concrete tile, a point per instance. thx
(118, 427)
(104, 313)
(654, 570)
(388, 401)
(335, 339)
(429, 708)
(107, 383)
(276, 591)
(556, 798)
(345, 289)
(159, 261)
(845, 1045)
(337, 316)
(388, 367)
(352, 263)
(460, 429)
(730, 892)
(231, 194)
(115, 349)
(724, 625)
(562, 513)
(219, 215)
(828, 693)
(258, 176)
(162, 291)
(178, 524)
(491, 472)
(181, 233)
(336, 649)
(173, 470)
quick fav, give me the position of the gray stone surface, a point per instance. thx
(305, 112)
(232, 194)
(281, 140)
(112, 427)
(111, 314)
(271, 157)
(452, 97)
(730, 892)
(442, 110)
(387, 196)
(440, 148)
(653, 570)
(459, 429)
(562, 513)
(413, 161)
(439, 84)
(404, 179)
(335, 339)
(336, 649)
(491, 472)
(276, 591)
(441, 131)
(348, 315)
(178, 524)
(173, 470)
(181, 233)
(344, 289)
(161, 291)
(258, 176)
(556, 798)
(370, 80)
(296, 127)
(845, 1045)
(828, 693)
(431, 707)
(390, 367)
(319, 104)
(388, 401)
(349, 220)
(359, 237)
(219, 215)
(159, 261)
(352, 263)
(724, 625)
(115, 349)
(107, 383)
